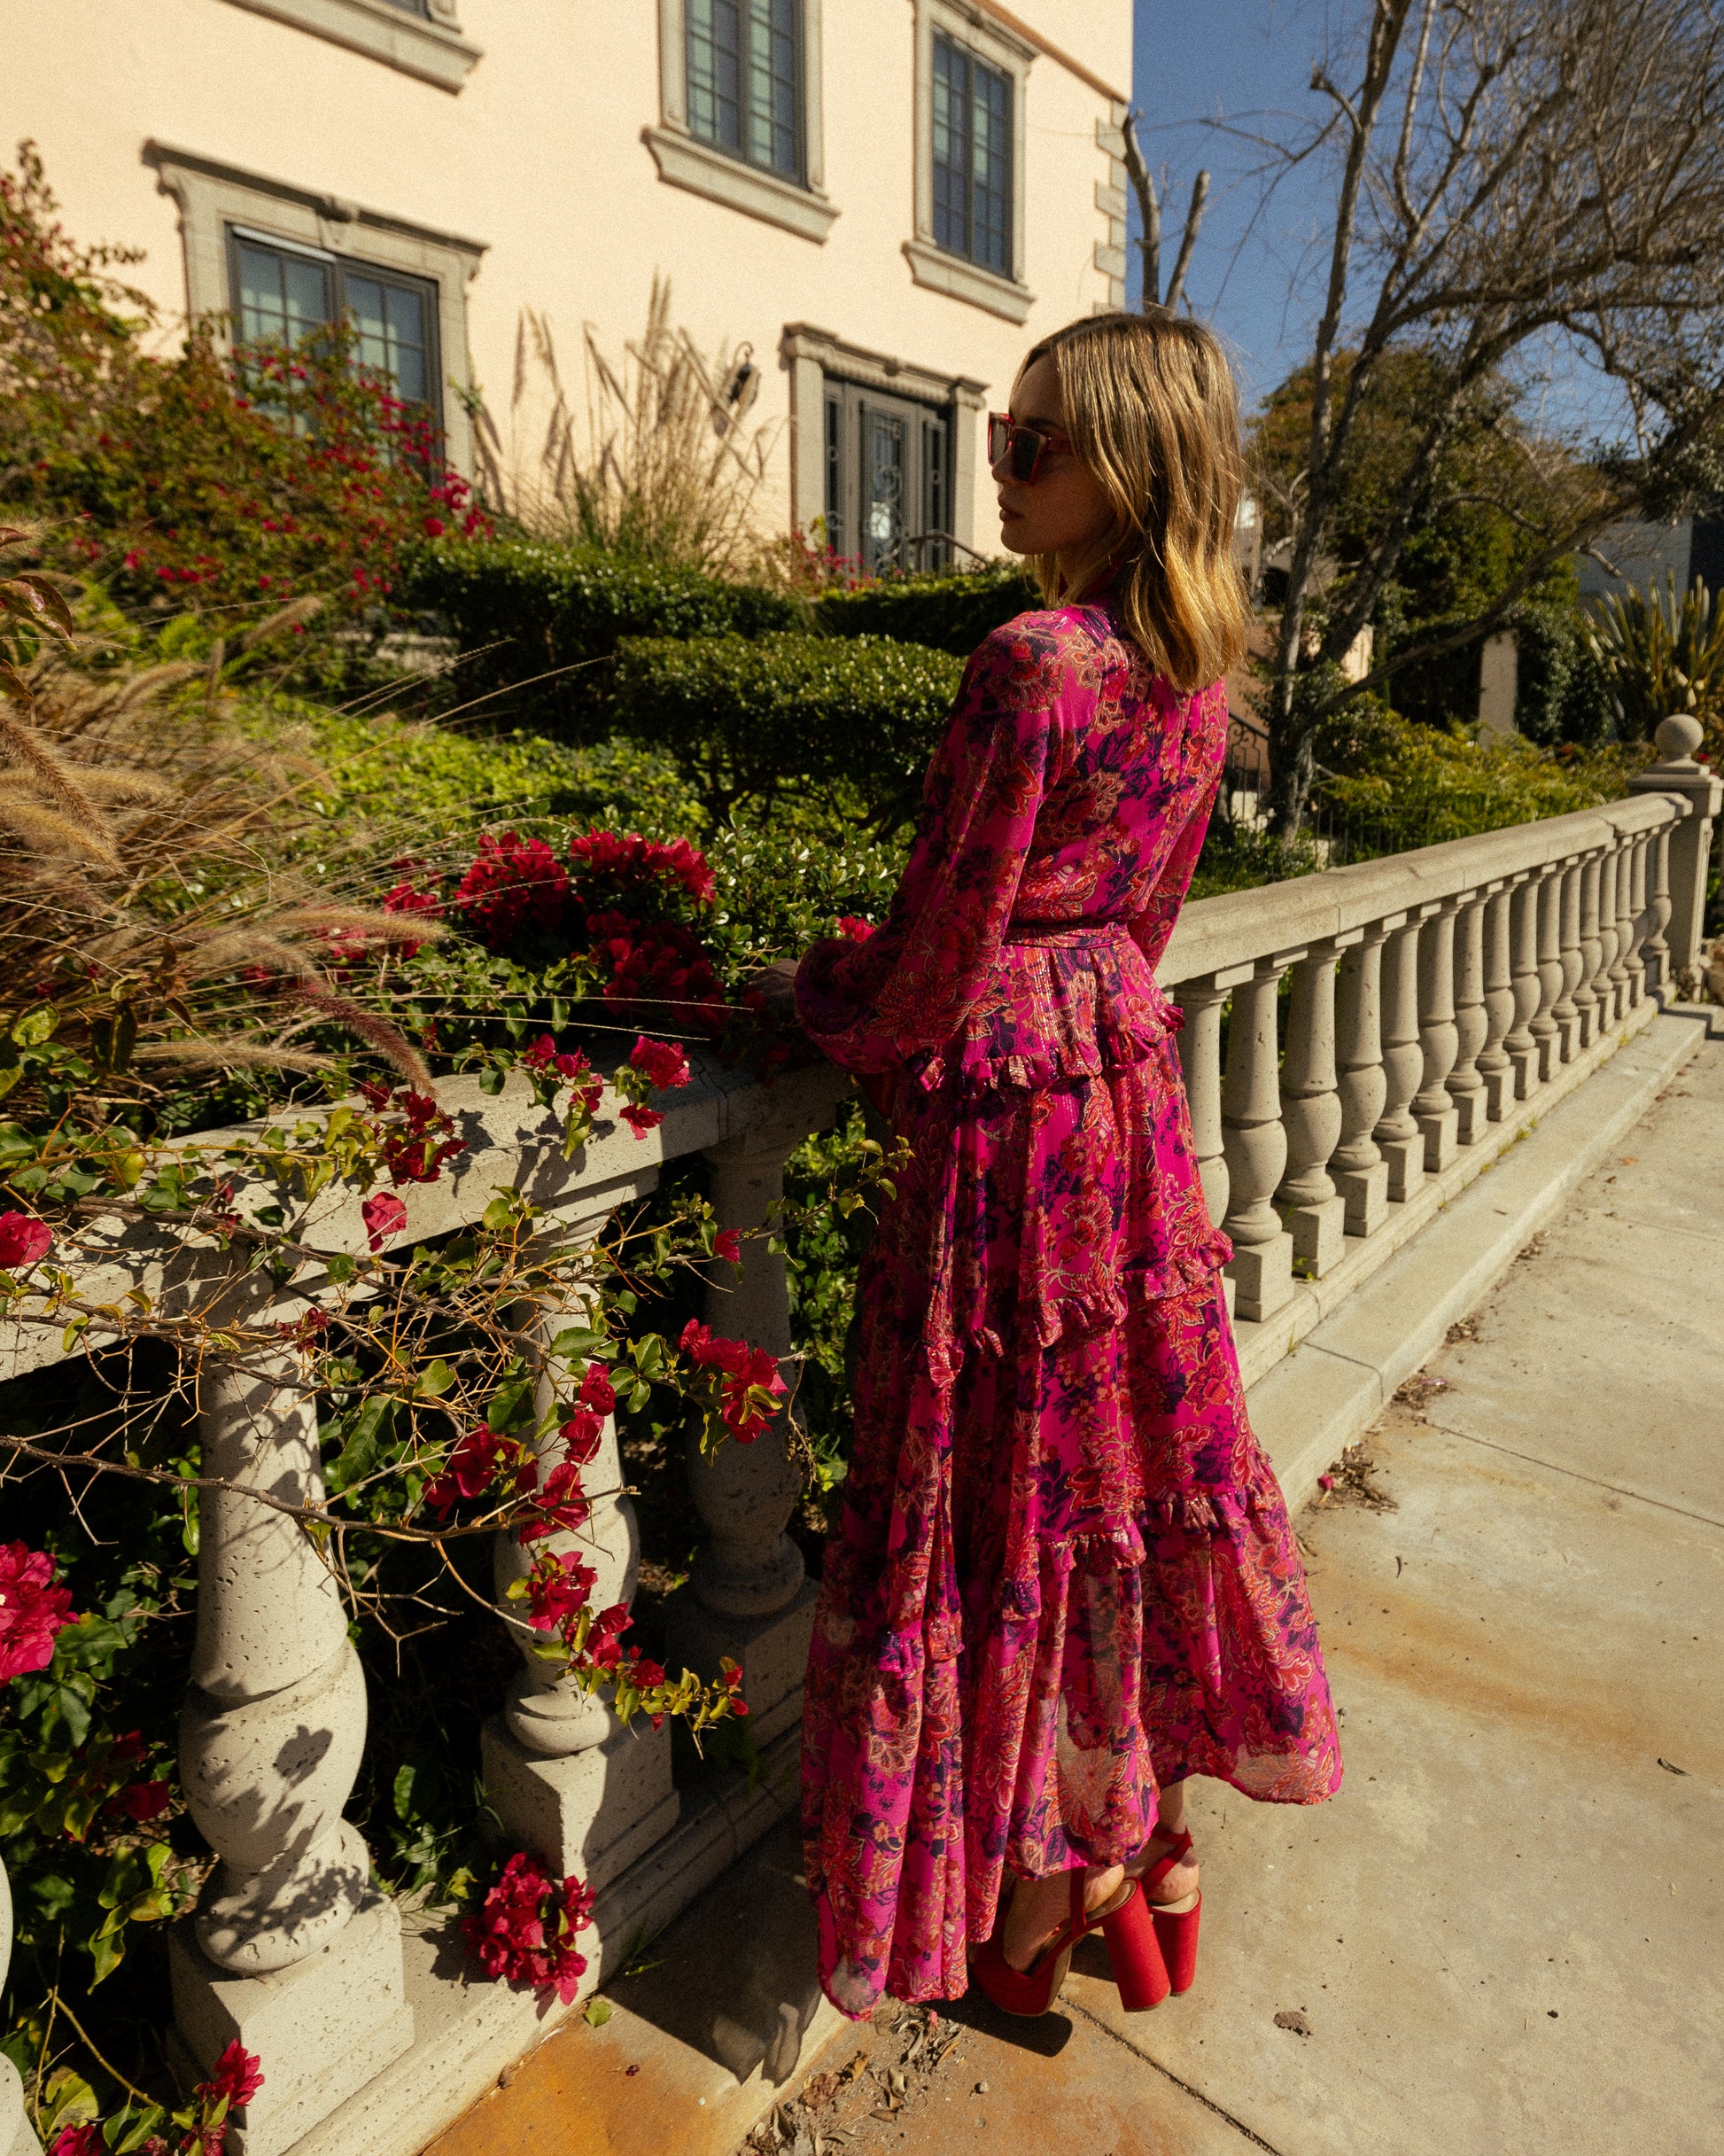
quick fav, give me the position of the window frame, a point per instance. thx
(687, 160)
(212, 195)
(338, 268)
(989, 43)
(848, 407)
(974, 66)
(421, 38)
(745, 62)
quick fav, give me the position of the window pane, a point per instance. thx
(773, 76)
(714, 77)
(389, 321)
(882, 481)
(951, 102)
(282, 297)
(990, 170)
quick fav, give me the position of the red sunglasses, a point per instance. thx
(1021, 449)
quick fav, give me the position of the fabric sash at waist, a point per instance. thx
(1065, 935)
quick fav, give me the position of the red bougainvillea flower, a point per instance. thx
(513, 883)
(748, 1379)
(524, 1931)
(596, 1389)
(415, 1153)
(143, 1801)
(656, 967)
(81, 2140)
(238, 2076)
(624, 859)
(471, 1468)
(22, 1240)
(852, 925)
(640, 1120)
(557, 1590)
(728, 1244)
(583, 1433)
(561, 1505)
(405, 899)
(543, 1056)
(384, 1216)
(31, 1609)
(604, 1642)
(662, 1064)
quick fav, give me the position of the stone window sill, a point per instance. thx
(429, 50)
(684, 162)
(962, 280)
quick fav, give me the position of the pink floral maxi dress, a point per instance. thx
(1064, 1576)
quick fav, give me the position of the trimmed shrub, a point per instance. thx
(950, 612)
(752, 719)
(523, 609)
(1561, 692)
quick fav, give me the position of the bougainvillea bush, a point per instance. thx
(203, 479)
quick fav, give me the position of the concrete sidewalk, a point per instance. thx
(1502, 1937)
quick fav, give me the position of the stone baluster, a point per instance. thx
(563, 1776)
(1617, 864)
(17, 2137)
(1397, 1135)
(290, 1949)
(1520, 1043)
(1313, 1209)
(1544, 1025)
(1495, 1065)
(748, 1595)
(1256, 1146)
(1360, 1172)
(1603, 982)
(1586, 990)
(1656, 947)
(1199, 1063)
(1687, 848)
(1465, 1084)
(1566, 1010)
(1434, 1109)
(1639, 855)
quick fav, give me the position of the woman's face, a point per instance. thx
(1063, 509)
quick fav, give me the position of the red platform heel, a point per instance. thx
(1176, 1922)
(1032, 1991)
(1135, 1950)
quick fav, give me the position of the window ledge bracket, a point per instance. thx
(683, 161)
(960, 280)
(432, 52)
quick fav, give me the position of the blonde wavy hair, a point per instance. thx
(1152, 410)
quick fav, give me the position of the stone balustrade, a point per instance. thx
(1353, 1038)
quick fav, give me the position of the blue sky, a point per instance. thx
(1248, 61)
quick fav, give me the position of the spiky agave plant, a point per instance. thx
(1661, 652)
(142, 903)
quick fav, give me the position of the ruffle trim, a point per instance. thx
(1075, 1317)
(1052, 1013)
(1211, 1512)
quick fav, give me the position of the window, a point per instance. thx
(971, 158)
(282, 293)
(888, 495)
(745, 74)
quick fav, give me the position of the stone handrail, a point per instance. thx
(1437, 999)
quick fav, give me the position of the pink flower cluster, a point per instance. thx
(238, 2077)
(31, 1609)
(570, 1065)
(23, 1240)
(484, 1456)
(748, 1379)
(524, 1931)
(416, 1152)
(383, 1215)
(653, 1066)
(632, 865)
(406, 898)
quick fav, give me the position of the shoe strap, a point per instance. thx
(1181, 1848)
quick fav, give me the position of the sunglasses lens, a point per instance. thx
(1026, 454)
(999, 433)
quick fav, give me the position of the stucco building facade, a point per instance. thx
(884, 200)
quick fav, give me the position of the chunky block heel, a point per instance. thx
(1134, 1949)
(1032, 1991)
(1175, 1923)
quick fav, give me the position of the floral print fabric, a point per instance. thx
(1064, 1576)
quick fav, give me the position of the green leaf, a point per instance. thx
(579, 1344)
(435, 1382)
(597, 2013)
(341, 1269)
(36, 1026)
(511, 1406)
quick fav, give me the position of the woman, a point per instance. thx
(1064, 1579)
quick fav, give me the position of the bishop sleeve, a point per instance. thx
(877, 1006)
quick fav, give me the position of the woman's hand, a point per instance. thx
(777, 986)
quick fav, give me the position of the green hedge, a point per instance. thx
(951, 612)
(750, 718)
(522, 608)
